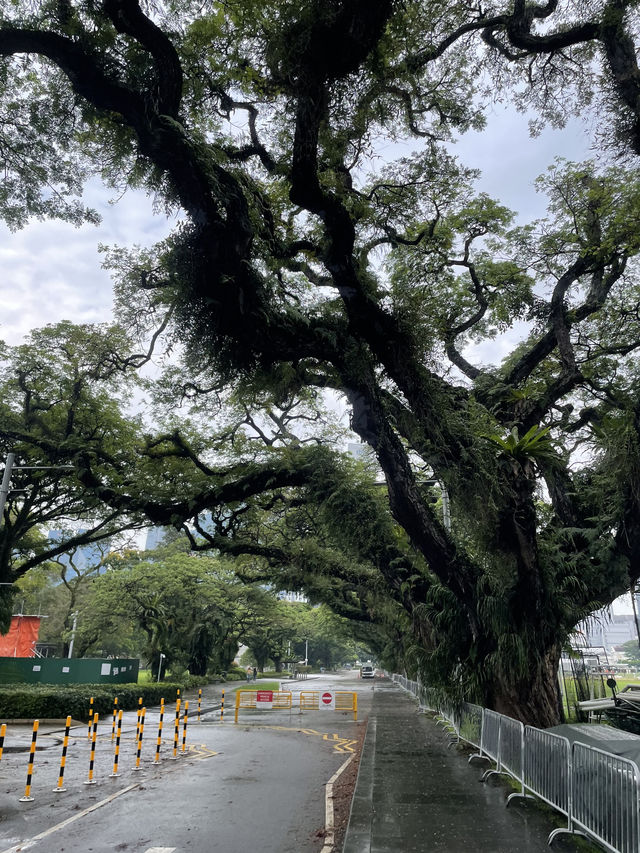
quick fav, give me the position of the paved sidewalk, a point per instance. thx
(414, 793)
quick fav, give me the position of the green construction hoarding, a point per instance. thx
(68, 671)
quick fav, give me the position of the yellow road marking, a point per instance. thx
(346, 746)
(340, 744)
(201, 751)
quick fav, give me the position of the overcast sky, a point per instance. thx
(51, 271)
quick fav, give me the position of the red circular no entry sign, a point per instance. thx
(327, 698)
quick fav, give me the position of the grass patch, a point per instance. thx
(599, 690)
(259, 685)
(623, 682)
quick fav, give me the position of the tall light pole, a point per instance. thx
(444, 496)
(4, 488)
(446, 510)
(73, 634)
(10, 466)
(162, 657)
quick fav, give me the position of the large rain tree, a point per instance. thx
(62, 391)
(303, 260)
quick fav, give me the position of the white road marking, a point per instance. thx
(328, 807)
(26, 845)
(161, 850)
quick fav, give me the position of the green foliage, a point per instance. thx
(631, 652)
(20, 701)
(63, 393)
(190, 608)
(236, 674)
(534, 444)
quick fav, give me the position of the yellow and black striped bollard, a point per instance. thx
(159, 741)
(115, 717)
(222, 709)
(199, 702)
(139, 745)
(63, 759)
(176, 733)
(116, 755)
(90, 718)
(92, 754)
(32, 751)
(184, 726)
(3, 731)
(138, 717)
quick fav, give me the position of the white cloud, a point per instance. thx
(51, 271)
(510, 159)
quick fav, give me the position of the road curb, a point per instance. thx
(329, 838)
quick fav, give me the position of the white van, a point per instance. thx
(367, 671)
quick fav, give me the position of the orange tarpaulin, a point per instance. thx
(21, 640)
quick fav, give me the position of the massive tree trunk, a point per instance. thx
(534, 699)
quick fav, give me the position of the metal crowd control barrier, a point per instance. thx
(546, 768)
(402, 681)
(248, 700)
(449, 720)
(604, 798)
(470, 728)
(490, 737)
(428, 698)
(511, 749)
(598, 792)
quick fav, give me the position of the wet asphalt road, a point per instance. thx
(258, 785)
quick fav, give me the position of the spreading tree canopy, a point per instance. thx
(62, 391)
(304, 262)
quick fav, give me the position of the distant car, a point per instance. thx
(367, 672)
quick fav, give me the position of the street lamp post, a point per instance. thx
(6, 477)
(73, 634)
(446, 509)
(10, 466)
(162, 657)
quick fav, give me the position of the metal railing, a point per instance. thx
(491, 736)
(546, 768)
(598, 792)
(511, 750)
(470, 729)
(604, 798)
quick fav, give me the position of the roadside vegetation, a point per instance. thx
(192, 609)
(35, 701)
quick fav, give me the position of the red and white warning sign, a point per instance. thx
(328, 700)
(264, 699)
